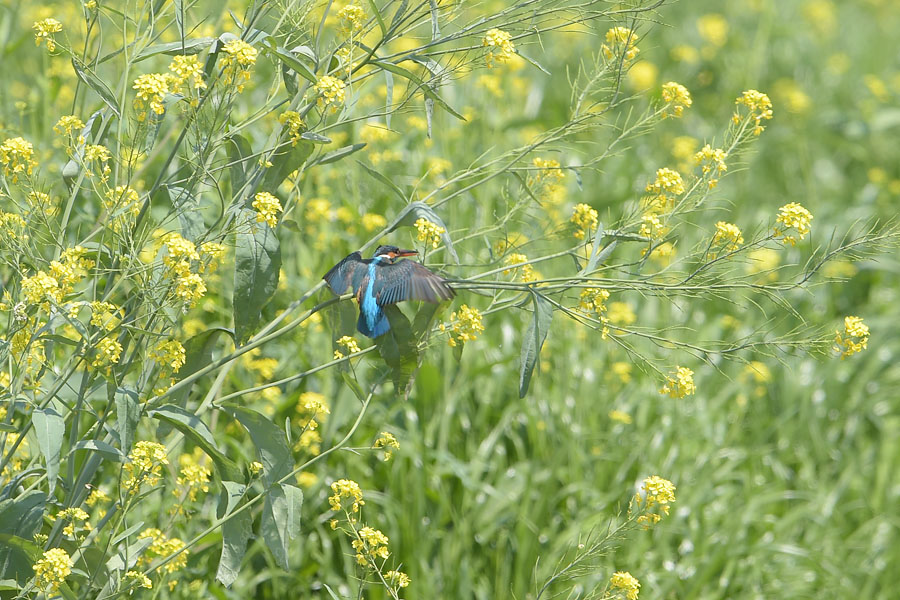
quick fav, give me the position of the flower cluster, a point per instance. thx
(527, 273)
(124, 204)
(712, 162)
(658, 493)
(792, 216)
(429, 232)
(267, 208)
(51, 570)
(151, 91)
(352, 17)
(728, 237)
(70, 126)
(188, 72)
(44, 30)
(170, 355)
(397, 579)
(193, 476)
(238, 60)
(109, 351)
(294, 125)
(592, 302)
(500, 46)
(620, 39)
(349, 344)
(853, 339)
(759, 107)
(138, 579)
(585, 218)
(349, 489)
(623, 583)
(76, 518)
(387, 441)
(331, 90)
(370, 544)
(680, 384)
(16, 158)
(145, 462)
(677, 98)
(667, 185)
(467, 324)
(373, 221)
(163, 547)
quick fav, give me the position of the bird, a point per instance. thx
(383, 280)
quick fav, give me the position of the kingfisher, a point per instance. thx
(382, 280)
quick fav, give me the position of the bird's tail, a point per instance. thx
(380, 326)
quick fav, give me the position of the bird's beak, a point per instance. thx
(403, 252)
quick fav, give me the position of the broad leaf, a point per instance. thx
(290, 59)
(257, 262)
(239, 152)
(50, 428)
(197, 432)
(534, 341)
(236, 532)
(280, 520)
(286, 159)
(398, 349)
(93, 82)
(23, 516)
(336, 155)
(198, 354)
(270, 442)
(108, 451)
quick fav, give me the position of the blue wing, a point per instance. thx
(348, 272)
(409, 280)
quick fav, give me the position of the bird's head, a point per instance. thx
(392, 253)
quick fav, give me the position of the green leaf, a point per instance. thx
(388, 98)
(239, 151)
(17, 558)
(23, 516)
(378, 18)
(197, 432)
(387, 182)
(534, 341)
(98, 86)
(188, 210)
(280, 520)
(270, 442)
(127, 558)
(533, 62)
(50, 428)
(285, 160)
(354, 386)
(108, 451)
(257, 261)
(128, 414)
(398, 349)
(290, 81)
(338, 154)
(315, 138)
(416, 210)
(236, 532)
(290, 59)
(190, 46)
(399, 14)
(425, 87)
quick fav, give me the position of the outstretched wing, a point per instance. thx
(408, 280)
(349, 271)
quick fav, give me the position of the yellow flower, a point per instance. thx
(373, 221)
(255, 467)
(467, 325)
(331, 90)
(73, 515)
(677, 97)
(41, 287)
(144, 464)
(712, 161)
(397, 579)
(190, 288)
(727, 237)
(592, 302)
(642, 76)
(108, 352)
(70, 126)
(622, 582)
(369, 545)
(139, 579)
(853, 339)
(267, 208)
(163, 547)
(429, 232)
(346, 488)
(293, 123)
(314, 403)
(585, 218)
(620, 416)
(238, 60)
(528, 274)
(792, 216)
(187, 68)
(713, 28)
(96, 496)
(618, 40)
(17, 156)
(352, 17)
(759, 107)
(500, 46)
(665, 187)
(193, 476)
(621, 313)
(387, 441)
(151, 89)
(622, 370)
(307, 479)
(44, 30)
(169, 354)
(680, 384)
(652, 227)
(51, 570)
(349, 344)
(658, 492)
